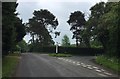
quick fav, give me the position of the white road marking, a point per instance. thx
(66, 59)
(97, 70)
(107, 73)
(102, 70)
(95, 67)
(69, 61)
(89, 67)
(102, 75)
(84, 65)
(60, 58)
(73, 62)
(78, 64)
(63, 59)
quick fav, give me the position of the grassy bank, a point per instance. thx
(111, 63)
(9, 64)
(60, 55)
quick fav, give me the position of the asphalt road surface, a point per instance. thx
(42, 65)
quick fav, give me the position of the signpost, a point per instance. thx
(57, 47)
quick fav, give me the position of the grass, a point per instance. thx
(60, 55)
(9, 64)
(111, 63)
(15, 54)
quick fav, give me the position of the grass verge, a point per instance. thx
(60, 55)
(9, 64)
(111, 63)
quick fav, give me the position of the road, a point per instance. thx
(42, 65)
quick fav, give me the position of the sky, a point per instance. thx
(60, 8)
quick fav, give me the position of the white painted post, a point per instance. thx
(56, 47)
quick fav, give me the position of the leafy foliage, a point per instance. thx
(111, 19)
(23, 46)
(65, 41)
(12, 28)
(103, 24)
(40, 25)
(77, 22)
(20, 30)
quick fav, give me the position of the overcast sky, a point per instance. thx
(60, 8)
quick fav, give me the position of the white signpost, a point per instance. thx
(57, 47)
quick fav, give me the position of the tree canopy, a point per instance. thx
(77, 22)
(41, 24)
(65, 41)
(103, 26)
(12, 28)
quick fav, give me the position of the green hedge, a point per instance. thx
(70, 50)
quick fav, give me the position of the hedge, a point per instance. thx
(70, 50)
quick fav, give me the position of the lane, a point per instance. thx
(31, 66)
(42, 65)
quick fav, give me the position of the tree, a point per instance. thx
(77, 22)
(86, 34)
(10, 24)
(110, 22)
(23, 46)
(20, 30)
(65, 41)
(104, 26)
(99, 29)
(40, 25)
(96, 12)
(8, 29)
